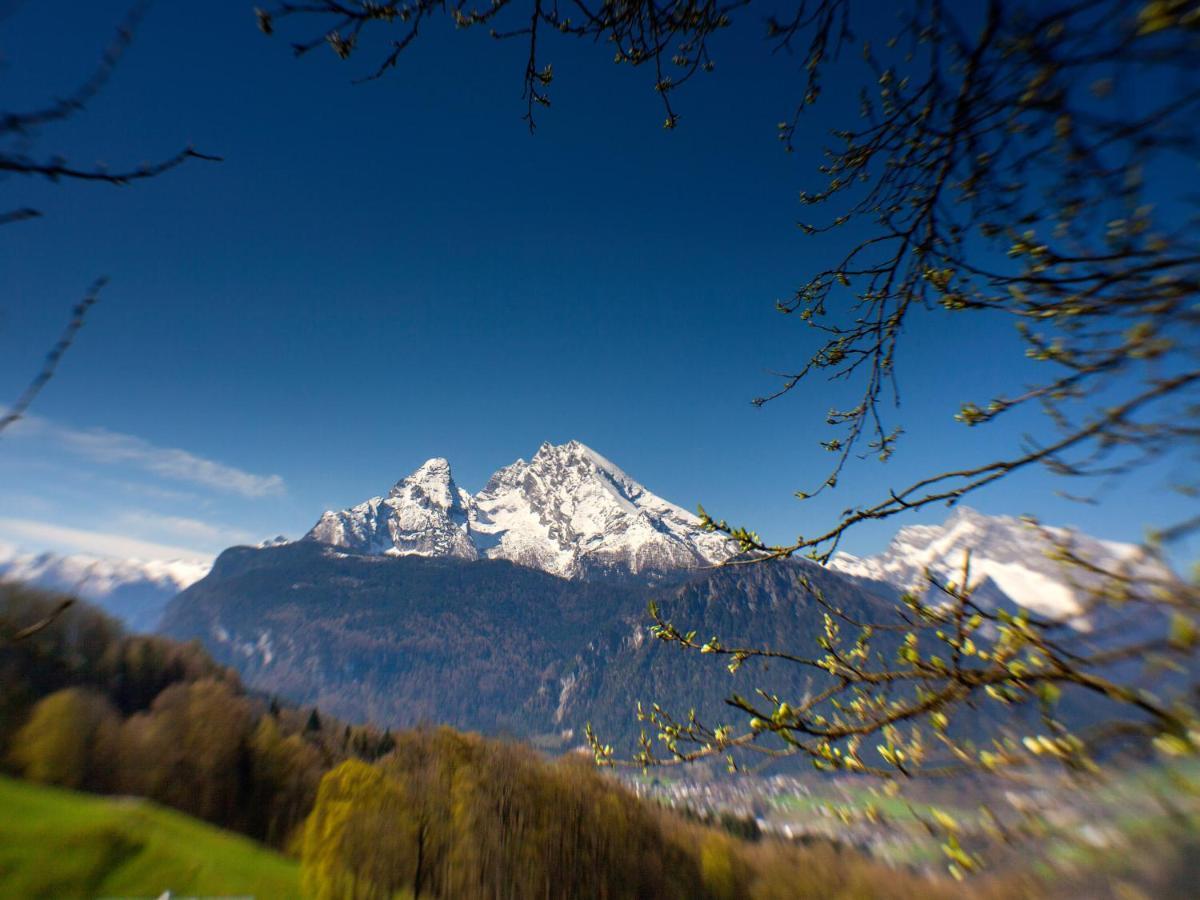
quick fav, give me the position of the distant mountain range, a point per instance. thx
(1014, 559)
(572, 513)
(135, 591)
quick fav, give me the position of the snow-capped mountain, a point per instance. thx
(135, 591)
(424, 514)
(1013, 554)
(568, 511)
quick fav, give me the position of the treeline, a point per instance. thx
(448, 814)
(84, 705)
(430, 812)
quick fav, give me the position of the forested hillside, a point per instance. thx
(504, 649)
(487, 644)
(402, 641)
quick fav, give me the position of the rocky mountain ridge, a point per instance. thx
(1019, 558)
(568, 511)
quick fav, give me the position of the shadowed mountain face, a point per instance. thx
(487, 644)
(491, 646)
(399, 640)
(771, 606)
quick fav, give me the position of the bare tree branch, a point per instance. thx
(54, 357)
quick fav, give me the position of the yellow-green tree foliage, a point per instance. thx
(85, 705)
(717, 866)
(358, 842)
(286, 771)
(66, 739)
(453, 815)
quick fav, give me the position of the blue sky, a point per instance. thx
(381, 273)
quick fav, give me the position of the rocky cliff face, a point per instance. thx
(425, 514)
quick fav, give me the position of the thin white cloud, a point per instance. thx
(182, 527)
(154, 491)
(40, 535)
(111, 447)
(27, 504)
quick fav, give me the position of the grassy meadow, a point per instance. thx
(62, 844)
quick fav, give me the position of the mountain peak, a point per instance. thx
(433, 479)
(1010, 552)
(568, 511)
(548, 450)
(566, 448)
(424, 513)
(436, 469)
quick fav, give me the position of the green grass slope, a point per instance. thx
(62, 844)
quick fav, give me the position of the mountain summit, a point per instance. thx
(568, 511)
(1016, 556)
(423, 514)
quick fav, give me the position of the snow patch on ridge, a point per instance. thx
(568, 686)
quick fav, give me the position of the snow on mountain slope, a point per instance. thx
(571, 512)
(568, 511)
(1012, 553)
(425, 514)
(133, 590)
